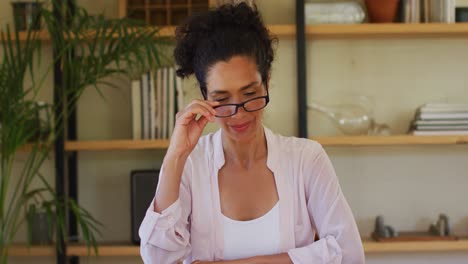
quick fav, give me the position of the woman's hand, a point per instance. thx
(187, 129)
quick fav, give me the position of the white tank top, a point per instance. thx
(257, 237)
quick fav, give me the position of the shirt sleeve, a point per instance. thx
(165, 236)
(339, 241)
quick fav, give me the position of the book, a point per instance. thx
(180, 94)
(145, 105)
(442, 127)
(441, 122)
(164, 102)
(172, 102)
(152, 110)
(439, 132)
(438, 115)
(160, 101)
(136, 109)
(441, 107)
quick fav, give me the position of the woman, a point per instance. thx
(242, 194)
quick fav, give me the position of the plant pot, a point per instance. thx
(40, 228)
(382, 11)
(27, 15)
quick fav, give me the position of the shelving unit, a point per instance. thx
(106, 145)
(369, 247)
(289, 31)
(351, 31)
(126, 250)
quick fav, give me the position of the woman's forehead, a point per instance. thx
(236, 73)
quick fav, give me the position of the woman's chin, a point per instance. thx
(243, 133)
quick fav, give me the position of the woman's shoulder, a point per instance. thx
(292, 144)
(206, 144)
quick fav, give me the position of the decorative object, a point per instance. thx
(461, 14)
(441, 227)
(382, 11)
(353, 115)
(325, 12)
(27, 15)
(40, 225)
(352, 119)
(216, 3)
(162, 12)
(129, 50)
(143, 184)
(381, 230)
(439, 231)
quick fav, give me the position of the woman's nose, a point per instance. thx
(240, 113)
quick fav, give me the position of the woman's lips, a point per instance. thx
(241, 127)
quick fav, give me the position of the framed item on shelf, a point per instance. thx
(162, 12)
(143, 186)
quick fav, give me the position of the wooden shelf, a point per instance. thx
(116, 145)
(330, 31)
(387, 30)
(104, 250)
(324, 140)
(390, 140)
(41, 35)
(371, 247)
(32, 251)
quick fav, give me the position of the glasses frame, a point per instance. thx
(266, 97)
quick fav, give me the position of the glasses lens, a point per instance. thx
(225, 110)
(255, 104)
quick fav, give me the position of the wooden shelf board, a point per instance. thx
(324, 140)
(41, 35)
(387, 30)
(414, 246)
(330, 31)
(104, 250)
(390, 140)
(128, 250)
(116, 145)
(33, 251)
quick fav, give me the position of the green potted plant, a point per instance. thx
(89, 49)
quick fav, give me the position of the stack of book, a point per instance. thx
(427, 11)
(155, 100)
(441, 119)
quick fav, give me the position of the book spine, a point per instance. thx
(136, 109)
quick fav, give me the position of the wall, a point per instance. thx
(409, 185)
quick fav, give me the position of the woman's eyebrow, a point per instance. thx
(216, 92)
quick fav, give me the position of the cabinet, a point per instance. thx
(102, 159)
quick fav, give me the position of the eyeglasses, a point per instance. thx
(250, 105)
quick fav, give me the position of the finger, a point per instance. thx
(207, 104)
(192, 113)
(202, 122)
(213, 103)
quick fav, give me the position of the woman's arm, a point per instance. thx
(272, 259)
(330, 214)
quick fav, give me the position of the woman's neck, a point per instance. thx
(246, 153)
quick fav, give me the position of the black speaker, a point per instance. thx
(143, 186)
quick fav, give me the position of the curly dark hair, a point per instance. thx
(218, 35)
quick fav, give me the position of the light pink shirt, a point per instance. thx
(310, 202)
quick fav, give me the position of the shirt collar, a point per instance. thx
(271, 148)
